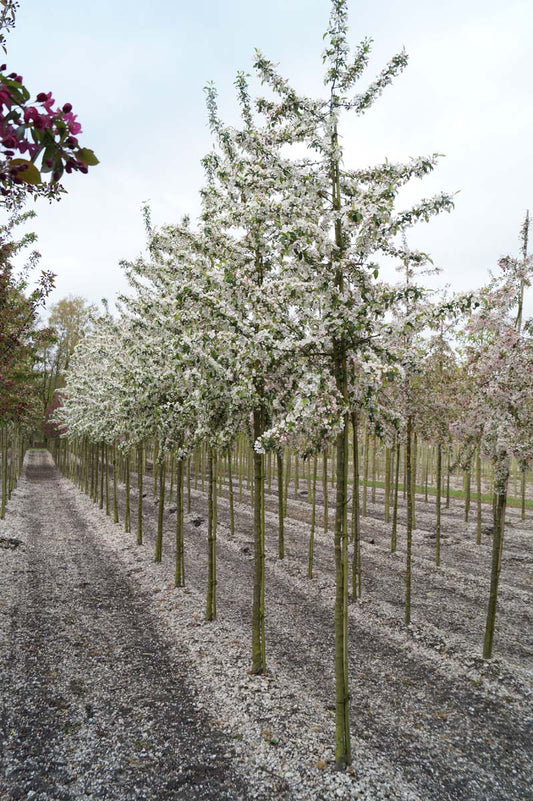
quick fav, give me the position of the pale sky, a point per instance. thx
(134, 73)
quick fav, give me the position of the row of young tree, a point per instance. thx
(267, 319)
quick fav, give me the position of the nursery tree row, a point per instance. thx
(264, 326)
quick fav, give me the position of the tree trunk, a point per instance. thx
(188, 485)
(102, 477)
(160, 510)
(4, 473)
(180, 551)
(230, 495)
(106, 461)
(365, 469)
(281, 537)
(478, 488)
(325, 487)
(313, 519)
(211, 603)
(466, 485)
(523, 493)
(258, 611)
(394, 530)
(115, 500)
(500, 493)
(127, 512)
(387, 484)
(438, 503)
(356, 526)
(408, 482)
(287, 482)
(414, 462)
(155, 465)
(140, 494)
(342, 729)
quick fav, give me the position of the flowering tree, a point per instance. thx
(498, 361)
(344, 219)
(38, 138)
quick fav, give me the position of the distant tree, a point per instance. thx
(69, 321)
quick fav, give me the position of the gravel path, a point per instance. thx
(94, 705)
(133, 666)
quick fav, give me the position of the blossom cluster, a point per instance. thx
(33, 131)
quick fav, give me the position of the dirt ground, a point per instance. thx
(117, 688)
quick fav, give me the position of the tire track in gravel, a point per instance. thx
(452, 741)
(94, 707)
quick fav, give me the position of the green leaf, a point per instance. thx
(355, 216)
(87, 156)
(30, 174)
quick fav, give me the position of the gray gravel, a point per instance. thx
(94, 706)
(431, 720)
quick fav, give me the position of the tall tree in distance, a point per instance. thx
(69, 320)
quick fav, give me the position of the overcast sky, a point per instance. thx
(135, 71)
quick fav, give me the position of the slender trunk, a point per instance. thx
(325, 487)
(160, 511)
(172, 466)
(230, 494)
(387, 484)
(426, 474)
(211, 604)
(394, 530)
(180, 556)
(188, 485)
(115, 500)
(106, 458)
(466, 485)
(478, 500)
(500, 493)
(102, 478)
(287, 482)
(414, 462)
(281, 537)
(258, 612)
(127, 513)
(140, 494)
(408, 481)
(438, 503)
(196, 467)
(240, 469)
(342, 695)
(448, 479)
(342, 730)
(356, 527)
(155, 465)
(313, 519)
(94, 473)
(374, 477)
(523, 493)
(365, 470)
(4, 473)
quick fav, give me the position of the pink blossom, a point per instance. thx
(73, 126)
